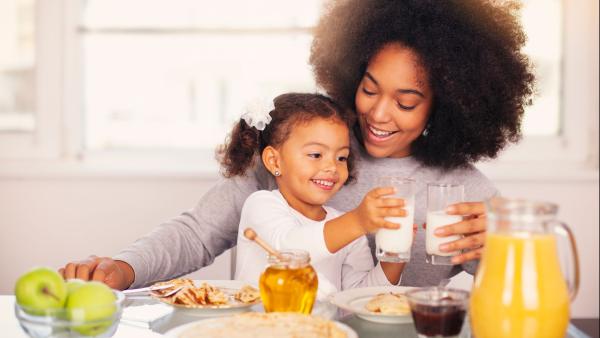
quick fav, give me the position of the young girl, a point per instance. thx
(304, 142)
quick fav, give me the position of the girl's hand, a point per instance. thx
(473, 228)
(116, 274)
(374, 208)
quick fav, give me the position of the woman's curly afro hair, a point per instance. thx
(471, 50)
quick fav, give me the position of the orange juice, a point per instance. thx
(519, 290)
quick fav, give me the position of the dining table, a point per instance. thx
(154, 319)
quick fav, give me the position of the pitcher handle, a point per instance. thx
(572, 277)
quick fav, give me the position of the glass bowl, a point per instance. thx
(56, 323)
(438, 311)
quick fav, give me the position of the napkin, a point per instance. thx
(144, 315)
(125, 331)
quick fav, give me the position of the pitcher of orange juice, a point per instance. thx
(519, 289)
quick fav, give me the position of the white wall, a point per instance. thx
(48, 221)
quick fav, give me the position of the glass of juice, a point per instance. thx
(289, 284)
(439, 197)
(438, 311)
(393, 245)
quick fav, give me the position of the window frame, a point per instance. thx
(576, 145)
(56, 145)
(44, 141)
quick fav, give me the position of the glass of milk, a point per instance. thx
(439, 197)
(393, 245)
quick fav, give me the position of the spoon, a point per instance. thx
(251, 235)
(153, 289)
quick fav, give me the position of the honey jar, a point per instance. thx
(289, 283)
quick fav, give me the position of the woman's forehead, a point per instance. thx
(395, 63)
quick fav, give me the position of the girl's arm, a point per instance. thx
(282, 227)
(368, 217)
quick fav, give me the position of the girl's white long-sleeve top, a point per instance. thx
(268, 213)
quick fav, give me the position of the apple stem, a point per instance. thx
(46, 291)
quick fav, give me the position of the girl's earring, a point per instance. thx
(425, 131)
(277, 173)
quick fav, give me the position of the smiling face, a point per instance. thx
(393, 101)
(312, 163)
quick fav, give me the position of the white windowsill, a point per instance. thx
(205, 167)
(539, 172)
(117, 165)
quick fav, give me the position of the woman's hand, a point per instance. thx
(473, 228)
(375, 207)
(116, 274)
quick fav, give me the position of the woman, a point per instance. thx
(436, 86)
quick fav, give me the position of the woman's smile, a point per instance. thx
(379, 134)
(393, 101)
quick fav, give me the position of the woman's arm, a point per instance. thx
(193, 239)
(181, 245)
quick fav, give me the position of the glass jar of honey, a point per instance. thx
(289, 284)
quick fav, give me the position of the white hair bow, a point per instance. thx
(257, 112)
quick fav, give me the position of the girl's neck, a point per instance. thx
(313, 212)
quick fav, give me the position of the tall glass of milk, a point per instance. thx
(393, 245)
(439, 197)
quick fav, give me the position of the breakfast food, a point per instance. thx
(389, 303)
(265, 325)
(204, 295)
(247, 294)
(191, 295)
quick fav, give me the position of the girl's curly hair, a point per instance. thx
(245, 143)
(471, 50)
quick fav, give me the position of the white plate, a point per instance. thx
(354, 300)
(217, 322)
(230, 287)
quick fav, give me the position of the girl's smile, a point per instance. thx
(325, 184)
(313, 166)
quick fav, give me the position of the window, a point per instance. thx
(30, 79)
(176, 74)
(17, 66)
(84, 79)
(543, 23)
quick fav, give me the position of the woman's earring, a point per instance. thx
(277, 173)
(425, 131)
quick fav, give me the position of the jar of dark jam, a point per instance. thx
(438, 311)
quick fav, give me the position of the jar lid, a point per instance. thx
(291, 259)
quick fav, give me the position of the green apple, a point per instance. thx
(73, 284)
(92, 302)
(41, 291)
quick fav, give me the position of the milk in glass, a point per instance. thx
(440, 196)
(397, 240)
(436, 219)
